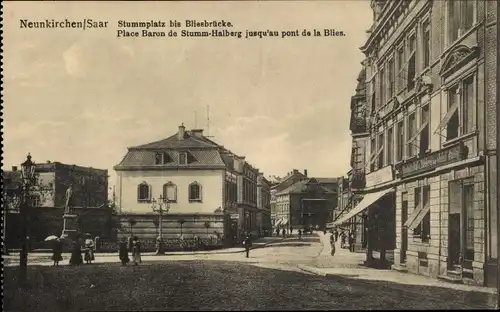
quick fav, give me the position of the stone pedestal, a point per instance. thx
(70, 229)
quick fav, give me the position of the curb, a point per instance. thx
(312, 270)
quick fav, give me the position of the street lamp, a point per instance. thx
(161, 207)
(27, 174)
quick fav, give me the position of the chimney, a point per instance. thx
(305, 172)
(14, 168)
(182, 131)
(197, 132)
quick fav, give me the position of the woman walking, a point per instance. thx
(89, 250)
(136, 251)
(76, 254)
(57, 252)
(123, 252)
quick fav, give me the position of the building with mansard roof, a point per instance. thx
(208, 188)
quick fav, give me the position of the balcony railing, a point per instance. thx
(358, 125)
(358, 180)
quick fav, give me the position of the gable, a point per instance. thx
(458, 57)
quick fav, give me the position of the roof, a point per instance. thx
(173, 142)
(327, 180)
(305, 185)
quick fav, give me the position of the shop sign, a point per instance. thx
(380, 176)
(432, 161)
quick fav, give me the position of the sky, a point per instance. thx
(83, 97)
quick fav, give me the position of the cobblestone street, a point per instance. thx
(283, 275)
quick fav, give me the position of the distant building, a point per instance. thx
(281, 184)
(204, 183)
(306, 203)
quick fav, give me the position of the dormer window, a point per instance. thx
(183, 158)
(161, 158)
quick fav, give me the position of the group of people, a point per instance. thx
(76, 257)
(347, 239)
(132, 244)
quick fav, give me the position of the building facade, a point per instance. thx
(305, 204)
(208, 189)
(264, 225)
(47, 201)
(278, 186)
(430, 80)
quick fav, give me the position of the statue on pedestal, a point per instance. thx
(69, 194)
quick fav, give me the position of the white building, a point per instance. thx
(206, 186)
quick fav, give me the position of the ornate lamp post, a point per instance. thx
(161, 206)
(28, 174)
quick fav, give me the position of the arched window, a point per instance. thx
(143, 192)
(194, 192)
(170, 192)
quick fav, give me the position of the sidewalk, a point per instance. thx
(13, 258)
(348, 264)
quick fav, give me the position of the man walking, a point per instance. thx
(332, 244)
(248, 244)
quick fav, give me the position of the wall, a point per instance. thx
(211, 182)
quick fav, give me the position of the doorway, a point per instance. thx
(404, 230)
(454, 240)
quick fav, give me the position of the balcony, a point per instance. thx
(358, 180)
(358, 125)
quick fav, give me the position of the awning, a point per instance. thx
(417, 216)
(447, 117)
(278, 222)
(284, 222)
(330, 225)
(367, 201)
(419, 130)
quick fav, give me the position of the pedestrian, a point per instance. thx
(136, 251)
(283, 233)
(291, 230)
(351, 241)
(343, 240)
(336, 233)
(277, 231)
(300, 234)
(89, 250)
(324, 232)
(76, 254)
(57, 252)
(332, 244)
(123, 252)
(248, 244)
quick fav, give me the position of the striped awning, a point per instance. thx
(284, 222)
(278, 222)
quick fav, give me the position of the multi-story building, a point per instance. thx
(47, 200)
(304, 204)
(264, 225)
(291, 178)
(201, 182)
(430, 79)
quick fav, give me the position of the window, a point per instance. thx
(468, 106)
(170, 192)
(426, 44)
(374, 95)
(158, 158)
(460, 18)
(412, 46)
(380, 150)
(183, 158)
(35, 201)
(390, 147)
(401, 64)
(382, 85)
(143, 192)
(390, 83)
(452, 127)
(412, 127)
(400, 141)
(422, 199)
(194, 192)
(424, 135)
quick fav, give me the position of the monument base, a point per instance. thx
(70, 229)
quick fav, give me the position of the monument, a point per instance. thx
(70, 229)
